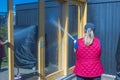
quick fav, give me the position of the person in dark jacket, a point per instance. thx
(88, 50)
(2, 52)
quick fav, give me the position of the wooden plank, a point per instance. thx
(70, 70)
(82, 0)
(11, 41)
(84, 19)
(78, 1)
(72, 2)
(79, 23)
(65, 37)
(41, 43)
(61, 0)
(59, 46)
(54, 75)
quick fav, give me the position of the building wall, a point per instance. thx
(27, 14)
(105, 15)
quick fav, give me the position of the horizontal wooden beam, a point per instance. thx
(55, 75)
(61, 0)
(73, 2)
(70, 70)
(78, 0)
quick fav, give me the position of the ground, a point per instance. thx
(27, 74)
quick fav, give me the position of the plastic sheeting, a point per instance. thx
(25, 46)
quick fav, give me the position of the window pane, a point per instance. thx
(51, 38)
(25, 38)
(73, 30)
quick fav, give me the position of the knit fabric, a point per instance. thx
(88, 62)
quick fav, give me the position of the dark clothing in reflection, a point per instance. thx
(46, 55)
(117, 56)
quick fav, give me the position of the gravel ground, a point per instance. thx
(27, 74)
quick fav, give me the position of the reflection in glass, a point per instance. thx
(118, 55)
(25, 39)
(3, 37)
(73, 31)
(51, 47)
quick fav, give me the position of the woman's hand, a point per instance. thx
(75, 41)
(74, 45)
(6, 41)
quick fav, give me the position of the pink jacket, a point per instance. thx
(88, 62)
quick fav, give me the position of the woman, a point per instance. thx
(88, 50)
(2, 53)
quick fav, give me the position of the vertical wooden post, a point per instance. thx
(41, 41)
(59, 45)
(65, 37)
(11, 40)
(79, 23)
(84, 19)
(85, 14)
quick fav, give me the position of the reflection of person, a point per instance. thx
(117, 55)
(88, 50)
(2, 52)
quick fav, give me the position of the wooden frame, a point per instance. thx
(62, 62)
(82, 19)
(62, 67)
(41, 43)
(11, 41)
(54, 75)
(59, 46)
(65, 37)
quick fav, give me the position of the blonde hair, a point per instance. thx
(89, 36)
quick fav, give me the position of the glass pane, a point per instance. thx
(25, 39)
(117, 56)
(51, 38)
(73, 30)
(3, 37)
